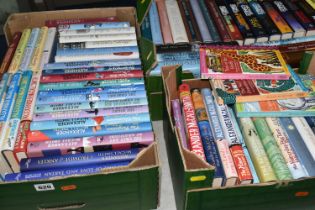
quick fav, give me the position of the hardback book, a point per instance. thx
(179, 122)
(165, 25)
(57, 22)
(225, 62)
(10, 53)
(157, 37)
(306, 8)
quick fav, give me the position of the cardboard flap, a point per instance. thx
(147, 157)
(143, 7)
(148, 58)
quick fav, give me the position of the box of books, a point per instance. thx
(221, 161)
(75, 126)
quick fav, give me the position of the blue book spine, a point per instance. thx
(87, 64)
(90, 69)
(91, 90)
(210, 148)
(53, 173)
(28, 52)
(88, 122)
(155, 24)
(179, 56)
(188, 65)
(102, 25)
(146, 28)
(212, 114)
(297, 79)
(89, 105)
(298, 145)
(311, 122)
(79, 132)
(95, 51)
(94, 97)
(4, 83)
(9, 100)
(77, 160)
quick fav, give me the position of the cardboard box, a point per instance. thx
(192, 177)
(133, 187)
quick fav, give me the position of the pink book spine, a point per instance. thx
(55, 23)
(165, 25)
(245, 76)
(88, 144)
(203, 67)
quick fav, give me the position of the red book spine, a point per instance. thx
(20, 146)
(241, 164)
(10, 53)
(109, 75)
(56, 23)
(190, 120)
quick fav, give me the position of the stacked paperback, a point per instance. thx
(73, 100)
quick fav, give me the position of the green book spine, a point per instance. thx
(305, 62)
(273, 152)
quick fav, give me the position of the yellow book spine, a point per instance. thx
(38, 51)
(282, 62)
(18, 55)
(311, 2)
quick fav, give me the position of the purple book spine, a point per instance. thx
(179, 122)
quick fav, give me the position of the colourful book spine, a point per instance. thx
(179, 122)
(256, 150)
(115, 31)
(91, 83)
(93, 25)
(190, 120)
(28, 52)
(289, 155)
(89, 144)
(88, 122)
(306, 8)
(298, 145)
(96, 51)
(273, 152)
(91, 113)
(77, 160)
(165, 25)
(155, 24)
(109, 75)
(68, 21)
(49, 47)
(298, 29)
(80, 132)
(35, 62)
(10, 53)
(4, 84)
(20, 146)
(17, 58)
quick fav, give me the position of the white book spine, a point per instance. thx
(125, 30)
(48, 46)
(116, 43)
(103, 37)
(94, 57)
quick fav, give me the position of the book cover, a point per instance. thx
(242, 63)
(272, 150)
(77, 160)
(179, 121)
(89, 144)
(155, 24)
(165, 25)
(57, 22)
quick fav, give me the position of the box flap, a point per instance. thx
(143, 7)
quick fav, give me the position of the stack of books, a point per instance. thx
(73, 100)
(256, 123)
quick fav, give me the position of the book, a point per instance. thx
(49, 47)
(92, 25)
(190, 120)
(311, 3)
(179, 122)
(176, 22)
(98, 44)
(79, 132)
(256, 150)
(77, 160)
(298, 145)
(155, 24)
(242, 63)
(97, 37)
(165, 25)
(4, 84)
(95, 51)
(93, 32)
(20, 146)
(264, 19)
(54, 173)
(57, 22)
(306, 8)
(272, 150)
(311, 122)
(89, 144)
(34, 64)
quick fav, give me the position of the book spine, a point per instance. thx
(218, 20)
(95, 51)
(113, 43)
(48, 48)
(290, 19)
(53, 173)
(155, 24)
(90, 83)
(4, 84)
(114, 31)
(97, 37)
(28, 52)
(165, 25)
(80, 132)
(179, 122)
(109, 75)
(91, 113)
(298, 145)
(306, 8)
(190, 23)
(42, 163)
(20, 146)
(88, 122)
(289, 155)
(273, 152)
(311, 3)
(89, 105)
(204, 32)
(190, 120)
(10, 53)
(35, 62)
(257, 152)
(55, 23)
(178, 56)
(146, 28)
(17, 58)
(311, 122)
(90, 69)
(31, 97)
(306, 133)
(95, 57)
(209, 21)
(176, 22)
(95, 25)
